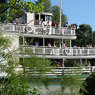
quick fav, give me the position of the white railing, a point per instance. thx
(13, 28)
(59, 51)
(72, 70)
(50, 71)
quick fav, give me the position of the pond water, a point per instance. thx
(56, 87)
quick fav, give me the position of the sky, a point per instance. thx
(78, 11)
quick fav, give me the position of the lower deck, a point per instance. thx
(53, 72)
(57, 52)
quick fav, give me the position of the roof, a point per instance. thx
(44, 13)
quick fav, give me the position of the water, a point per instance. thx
(55, 87)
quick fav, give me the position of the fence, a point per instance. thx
(51, 71)
(38, 30)
(59, 51)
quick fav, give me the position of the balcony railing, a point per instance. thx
(50, 71)
(37, 30)
(59, 51)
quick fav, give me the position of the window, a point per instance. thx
(37, 17)
(47, 18)
(43, 17)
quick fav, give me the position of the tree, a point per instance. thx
(16, 81)
(84, 35)
(56, 15)
(93, 38)
(46, 4)
(88, 87)
(15, 8)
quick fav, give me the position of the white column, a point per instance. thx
(63, 63)
(50, 30)
(39, 16)
(70, 43)
(71, 51)
(13, 27)
(88, 51)
(45, 18)
(23, 44)
(81, 64)
(43, 41)
(43, 45)
(23, 50)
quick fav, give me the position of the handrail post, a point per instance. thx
(50, 30)
(63, 31)
(63, 67)
(43, 50)
(3, 27)
(88, 51)
(74, 32)
(53, 30)
(71, 31)
(34, 29)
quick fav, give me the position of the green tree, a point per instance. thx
(84, 35)
(14, 8)
(16, 82)
(93, 38)
(56, 15)
(88, 87)
(46, 4)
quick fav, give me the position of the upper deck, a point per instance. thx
(38, 31)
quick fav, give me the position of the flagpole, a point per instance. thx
(60, 15)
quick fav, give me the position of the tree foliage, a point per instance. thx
(14, 8)
(56, 15)
(88, 87)
(18, 81)
(84, 35)
(46, 4)
(19, 73)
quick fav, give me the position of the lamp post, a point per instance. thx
(60, 15)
